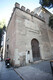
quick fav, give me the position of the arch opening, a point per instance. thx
(35, 49)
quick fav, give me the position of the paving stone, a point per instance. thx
(8, 73)
(34, 72)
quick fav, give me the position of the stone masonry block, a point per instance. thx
(17, 5)
(23, 8)
(28, 11)
(32, 13)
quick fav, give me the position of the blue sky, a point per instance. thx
(6, 7)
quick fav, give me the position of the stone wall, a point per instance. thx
(22, 28)
(11, 38)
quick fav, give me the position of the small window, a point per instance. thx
(28, 52)
(7, 46)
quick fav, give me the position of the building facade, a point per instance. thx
(28, 36)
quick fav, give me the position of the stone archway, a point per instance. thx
(35, 49)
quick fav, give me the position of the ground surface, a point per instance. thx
(8, 73)
(38, 71)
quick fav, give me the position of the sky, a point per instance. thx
(6, 7)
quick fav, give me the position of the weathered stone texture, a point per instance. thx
(50, 35)
(21, 30)
(11, 37)
(44, 35)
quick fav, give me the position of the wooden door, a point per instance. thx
(35, 48)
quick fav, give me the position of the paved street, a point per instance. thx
(8, 73)
(38, 71)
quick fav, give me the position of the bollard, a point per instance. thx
(51, 64)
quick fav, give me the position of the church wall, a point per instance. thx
(27, 28)
(11, 39)
(22, 28)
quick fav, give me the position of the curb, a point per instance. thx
(18, 74)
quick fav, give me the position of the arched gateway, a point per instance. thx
(35, 49)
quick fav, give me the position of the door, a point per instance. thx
(35, 49)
